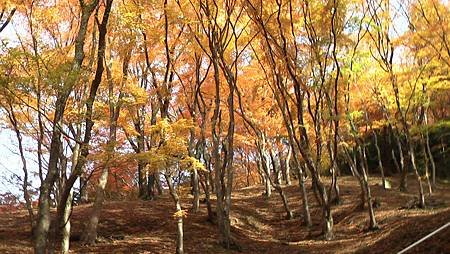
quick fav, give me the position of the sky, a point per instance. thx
(10, 162)
(9, 159)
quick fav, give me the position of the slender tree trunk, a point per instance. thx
(84, 195)
(176, 200)
(416, 172)
(430, 157)
(305, 203)
(326, 213)
(394, 159)
(361, 183)
(334, 176)
(26, 194)
(219, 165)
(64, 220)
(65, 242)
(363, 193)
(266, 179)
(425, 162)
(287, 167)
(315, 189)
(196, 191)
(380, 164)
(247, 176)
(90, 232)
(392, 145)
(142, 180)
(211, 181)
(159, 187)
(43, 217)
(404, 179)
(206, 188)
(276, 167)
(150, 185)
(354, 168)
(266, 166)
(430, 154)
(372, 221)
(328, 224)
(289, 214)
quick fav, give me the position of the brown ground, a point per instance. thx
(258, 225)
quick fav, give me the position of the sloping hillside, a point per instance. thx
(258, 224)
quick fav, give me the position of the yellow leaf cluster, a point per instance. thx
(170, 151)
(180, 214)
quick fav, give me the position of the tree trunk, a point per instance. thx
(142, 180)
(276, 167)
(353, 167)
(328, 223)
(196, 191)
(90, 232)
(430, 157)
(265, 162)
(416, 172)
(301, 183)
(394, 159)
(404, 179)
(84, 195)
(176, 200)
(211, 181)
(26, 194)
(265, 178)
(289, 214)
(247, 176)
(194, 174)
(425, 162)
(287, 167)
(64, 220)
(206, 188)
(150, 186)
(392, 145)
(327, 217)
(373, 223)
(159, 187)
(430, 154)
(41, 232)
(380, 164)
(334, 176)
(223, 222)
(65, 242)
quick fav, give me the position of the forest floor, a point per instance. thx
(258, 224)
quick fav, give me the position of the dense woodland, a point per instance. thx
(189, 101)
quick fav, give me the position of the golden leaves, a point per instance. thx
(180, 214)
(170, 152)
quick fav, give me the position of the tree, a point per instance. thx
(171, 157)
(379, 13)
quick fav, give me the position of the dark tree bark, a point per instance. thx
(8, 19)
(90, 233)
(372, 220)
(380, 163)
(43, 216)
